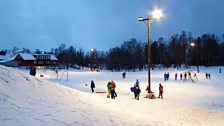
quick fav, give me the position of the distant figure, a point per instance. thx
(181, 75)
(209, 76)
(33, 71)
(175, 76)
(220, 70)
(112, 92)
(92, 85)
(185, 76)
(108, 89)
(165, 76)
(195, 75)
(160, 91)
(123, 75)
(137, 90)
(168, 76)
(189, 75)
(206, 75)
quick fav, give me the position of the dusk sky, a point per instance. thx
(102, 24)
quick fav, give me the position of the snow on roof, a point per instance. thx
(22, 50)
(53, 57)
(26, 56)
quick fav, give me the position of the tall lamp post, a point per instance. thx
(92, 53)
(193, 44)
(156, 15)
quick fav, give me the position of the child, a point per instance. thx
(92, 86)
(160, 91)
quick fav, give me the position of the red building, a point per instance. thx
(25, 59)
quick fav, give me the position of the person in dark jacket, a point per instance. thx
(112, 91)
(92, 85)
(160, 91)
(33, 71)
(137, 90)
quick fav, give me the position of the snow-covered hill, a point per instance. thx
(26, 100)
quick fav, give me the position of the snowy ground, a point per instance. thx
(39, 101)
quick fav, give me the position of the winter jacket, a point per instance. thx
(109, 86)
(161, 88)
(92, 85)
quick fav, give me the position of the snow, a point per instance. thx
(27, 100)
(27, 56)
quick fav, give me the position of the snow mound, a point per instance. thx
(26, 100)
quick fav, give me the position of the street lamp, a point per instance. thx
(156, 15)
(196, 47)
(92, 52)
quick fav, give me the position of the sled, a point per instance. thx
(132, 89)
(100, 91)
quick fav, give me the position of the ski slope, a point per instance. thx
(27, 100)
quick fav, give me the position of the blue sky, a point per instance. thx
(102, 24)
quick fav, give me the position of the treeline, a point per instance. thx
(208, 50)
(130, 55)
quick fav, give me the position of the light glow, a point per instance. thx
(157, 13)
(192, 44)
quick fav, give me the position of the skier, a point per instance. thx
(113, 93)
(137, 90)
(92, 85)
(160, 91)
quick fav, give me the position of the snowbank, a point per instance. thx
(27, 100)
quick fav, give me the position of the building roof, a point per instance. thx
(53, 57)
(26, 56)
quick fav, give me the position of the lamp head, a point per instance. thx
(157, 14)
(192, 44)
(92, 49)
(140, 18)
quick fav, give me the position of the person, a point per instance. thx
(149, 95)
(206, 75)
(165, 76)
(168, 76)
(209, 76)
(112, 91)
(185, 76)
(160, 91)
(108, 89)
(175, 76)
(181, 75)
(33, 71)
(137, 90)
(92, 85)
(189, 75)
(220, 70)
(123, 75)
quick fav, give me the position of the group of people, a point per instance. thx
(183, 76)
(207, 75)
(166, 76)
(111, 93)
